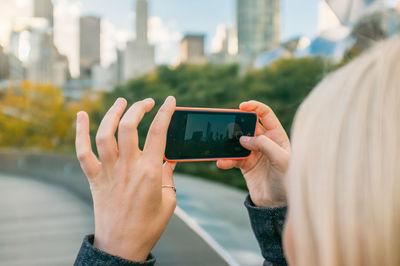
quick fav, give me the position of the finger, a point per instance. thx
(269, 121)
(267, 116)
(128, 140)
(156, 137)
(226, 164)
(167, 173)
(260, 130)
(275, 153)
(168, 194)
(105, 139)
(88, 161)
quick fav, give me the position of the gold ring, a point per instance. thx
(168, 186)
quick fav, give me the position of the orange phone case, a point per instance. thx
(213, 110)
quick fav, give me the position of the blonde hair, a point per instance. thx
(344, 177)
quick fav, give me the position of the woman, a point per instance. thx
(343, 180)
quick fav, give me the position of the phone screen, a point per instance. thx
(210, 135)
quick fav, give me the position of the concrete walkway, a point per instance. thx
(40, 224)
(44, 216)
(218, 211)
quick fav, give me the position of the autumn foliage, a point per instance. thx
(39, 117)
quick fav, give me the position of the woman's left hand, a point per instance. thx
(131, 208)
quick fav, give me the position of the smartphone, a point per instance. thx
(203, 134)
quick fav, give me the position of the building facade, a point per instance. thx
(40, 64)
(44, 9)
(33, 55)
(224, 45)
(89, 44)
(60, 68)
(349, 12)
(327, 19)
(192, 50)
(258, 26)
(17, 69)
(139, 57)
(142, 14)
(4, 64)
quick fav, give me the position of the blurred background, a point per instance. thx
(62, 56)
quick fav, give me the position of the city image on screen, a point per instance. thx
(208, 135)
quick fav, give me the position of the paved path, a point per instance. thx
(42, 224)
(219, 211)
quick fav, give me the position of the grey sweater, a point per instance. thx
(267, 224)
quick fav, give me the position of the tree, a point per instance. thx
(39, 117)
(282, 85)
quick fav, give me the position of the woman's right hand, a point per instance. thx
(131, 207)
(265, 168)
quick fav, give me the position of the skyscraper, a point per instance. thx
(33, 55)
(192, 49)
(139, 54)
(258, 25)
(224, 45)
(141, 20)
(39, 66)
(89, 44)
(4, 64)
(44, 9)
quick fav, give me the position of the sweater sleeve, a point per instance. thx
(267, 225)
(89, 255)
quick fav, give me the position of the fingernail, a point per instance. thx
(150, 100)
(78, 116)
(119, 101)
(169, 99)
(245, 139)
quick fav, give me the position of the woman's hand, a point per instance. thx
(266, 167)
(130, 207)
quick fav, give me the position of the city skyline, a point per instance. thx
(167, 22)
(167, 25)
(176, 18)
(188, 16)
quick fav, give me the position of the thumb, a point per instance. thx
(275, 153)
